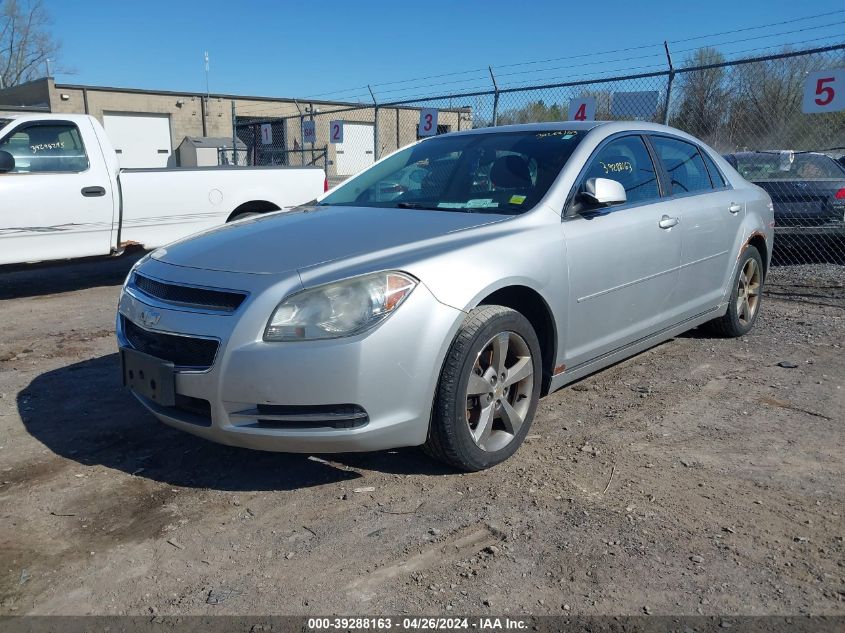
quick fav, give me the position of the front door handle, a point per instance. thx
(735, 208)
(93, 192)
(667, 223)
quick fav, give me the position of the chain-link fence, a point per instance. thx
(749, 110)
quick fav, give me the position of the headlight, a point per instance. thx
(339, 309)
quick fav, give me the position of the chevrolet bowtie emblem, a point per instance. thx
(150, 318)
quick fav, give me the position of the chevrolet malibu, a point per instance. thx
(435, 297)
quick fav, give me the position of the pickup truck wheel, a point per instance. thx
(488, 390)
(747, 294)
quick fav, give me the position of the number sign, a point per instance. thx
(582, 109)
(824, 91)
(336, 132)
(309, 131)
(428, 122)
(266, 134)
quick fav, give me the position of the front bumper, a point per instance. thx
(294, 397)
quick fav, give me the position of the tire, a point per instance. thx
(480, 419)
(746, 297)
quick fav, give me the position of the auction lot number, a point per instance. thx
(824, 91)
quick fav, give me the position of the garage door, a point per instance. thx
(140, 140)
(356, 151)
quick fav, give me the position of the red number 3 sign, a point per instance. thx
(824, 91)
(428, 122)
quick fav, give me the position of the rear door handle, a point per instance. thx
(93, 192)
(667, 223)
(735, 208)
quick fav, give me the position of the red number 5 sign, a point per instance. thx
(824, 91)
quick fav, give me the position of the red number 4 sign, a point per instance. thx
(824, 91)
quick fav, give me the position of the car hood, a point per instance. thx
(304, 237)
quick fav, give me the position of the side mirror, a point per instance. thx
(7, 162)
(604, 192)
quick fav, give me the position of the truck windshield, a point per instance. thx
(497, 172)
(4, 123)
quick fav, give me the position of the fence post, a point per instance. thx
(314, 142)
(234, 135)
(669, 84)
(495, 98)
(375, 125)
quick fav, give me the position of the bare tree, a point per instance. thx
(25, 41)
(703, 95)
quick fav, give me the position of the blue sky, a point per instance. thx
(297, 49)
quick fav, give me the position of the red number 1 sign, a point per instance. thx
(824, 91)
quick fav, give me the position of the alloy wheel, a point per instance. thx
(499, 389)
(748, 292)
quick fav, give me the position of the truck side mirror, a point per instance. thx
(7, 162)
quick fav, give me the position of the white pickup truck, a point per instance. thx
(63, 194)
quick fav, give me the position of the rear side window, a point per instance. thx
(716, 176)
(683, 162)
(627, 161)
(40, 148)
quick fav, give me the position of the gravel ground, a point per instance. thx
(697, 477)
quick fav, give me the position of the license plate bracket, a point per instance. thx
(148, 376)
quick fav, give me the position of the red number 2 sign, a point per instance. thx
(824, 91)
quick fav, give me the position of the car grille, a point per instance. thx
(189, 296)
(183, 351)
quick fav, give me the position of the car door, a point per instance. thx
(710, 215)
(57, 201)
(623, 260)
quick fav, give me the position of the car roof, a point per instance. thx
(606, 127)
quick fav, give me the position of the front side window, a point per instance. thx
(40, 148)
(627, 161)
(683, 163)
(492, 172)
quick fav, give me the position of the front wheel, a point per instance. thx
(488, 390)
(746, 296)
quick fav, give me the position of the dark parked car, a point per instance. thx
(807, 188)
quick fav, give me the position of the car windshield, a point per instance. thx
(498, 172)
(787, 166)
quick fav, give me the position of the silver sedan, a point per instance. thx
(435, 297)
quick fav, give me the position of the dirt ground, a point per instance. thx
(698, 477)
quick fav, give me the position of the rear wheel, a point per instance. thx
(488, 390)
(744, 303)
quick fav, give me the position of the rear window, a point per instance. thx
(683, 163)
(787, 166)
(715, 175)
